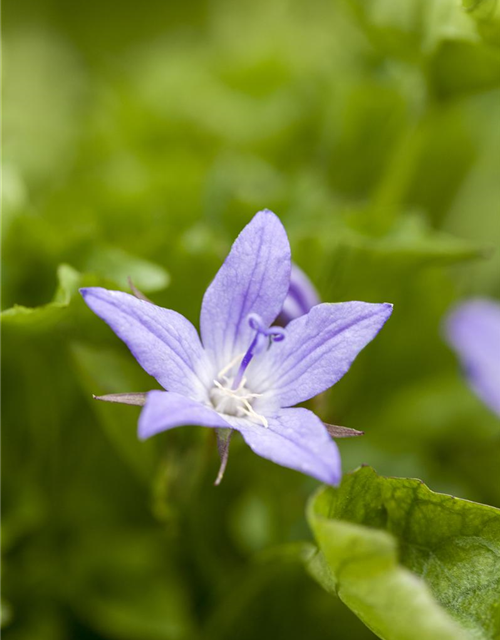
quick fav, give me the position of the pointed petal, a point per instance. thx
(295, 438)
(473, 330)
(301, 297)
(165, 410)
(162, 341)
(253, 279)
(138, 399)
(318, 350)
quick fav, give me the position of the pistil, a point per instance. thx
(263, 336)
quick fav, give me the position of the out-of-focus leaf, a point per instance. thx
(42, 623)
(413, 26)
(118, 265)
(412, 241)
(41, 113)
(426, 32)
(483, 9)
(14, 194)
(104, 265)
(127, 588)
(464, 66)
(106, 370)
(409, 562)
(26, 515)
(487, 14)
(5, 613)
(46, 315)
(165, 70)
(409, 243)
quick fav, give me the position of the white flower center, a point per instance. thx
(230, 396)
(234, 402)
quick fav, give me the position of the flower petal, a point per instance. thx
(301, 296)
(473, 330)
(295, 438)
(253, 279)
(162, 341)
(165, 410)
(317, 351)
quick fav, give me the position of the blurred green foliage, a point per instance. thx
(138, 140)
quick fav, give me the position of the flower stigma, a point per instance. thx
(230, 395)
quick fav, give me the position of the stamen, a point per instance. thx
(229, 366)
(231, 395)
(242, 384)
(253, 414)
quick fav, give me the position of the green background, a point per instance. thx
(138, 140)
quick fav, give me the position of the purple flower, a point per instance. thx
(473, 330)
(245, 374)
(301, 297)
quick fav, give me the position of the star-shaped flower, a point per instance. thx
(245, 374)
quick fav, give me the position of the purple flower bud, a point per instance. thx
(473, 330)
(301, 297)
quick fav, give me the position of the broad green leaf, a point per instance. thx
(411, 563)
(46, 315)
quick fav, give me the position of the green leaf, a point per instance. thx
(487, 14)
(413, 24)
(104, 369)
(413, 241)
(5, 613)
(115, 264)
(411, 563)
(484, 9)
(36, 60)
(107, 266)
(46, 315)
(439, 35)
(127, 586)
